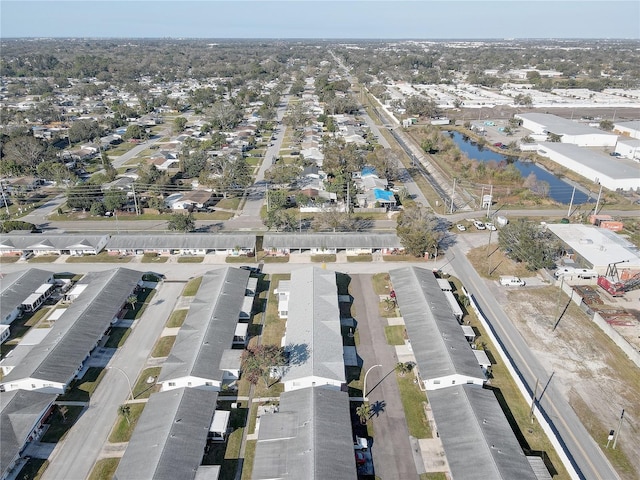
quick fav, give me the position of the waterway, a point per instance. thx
(559, 190)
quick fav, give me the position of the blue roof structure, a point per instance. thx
(368, 171)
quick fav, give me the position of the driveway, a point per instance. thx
(391, 449)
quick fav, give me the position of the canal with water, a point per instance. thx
(559, 190)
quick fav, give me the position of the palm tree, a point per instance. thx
(125, 410)
(389, 304)
(404, 367)
(363, 412)
(131, 300)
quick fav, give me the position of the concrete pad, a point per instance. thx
(395, 321)
(433, 455)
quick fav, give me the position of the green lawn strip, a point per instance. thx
(360, 258)
(249, 456)
(9, 259)
(103, 257)
(190, 259)
(117, 337)
(124, 426)
(355, 380)
(228, 203)
(142, 389)
(44, 259)
(153, 258)
(402, 258)
(215, 215)
(104, 469)
(163, 346)
(324, 258)
(274, 259)
(413, 401)
(81, 389)
(240, 259)
(191, 288)
(394, 334)
(381, 283)
(35, 318)
(433, 476)
(59, 425)
(177, 318)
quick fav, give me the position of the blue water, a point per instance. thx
(559, 190)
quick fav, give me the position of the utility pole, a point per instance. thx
(571, 202)
(453, 192)
(348, 198)
(135, 200)
(482, 196)
(533, 400)
(595, 212)
(615, 438)
(4, 199)
(490, 200)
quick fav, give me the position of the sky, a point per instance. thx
(321, 19)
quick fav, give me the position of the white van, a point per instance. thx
(508, 281)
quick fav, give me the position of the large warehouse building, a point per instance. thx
(610, 172)
(568, 130)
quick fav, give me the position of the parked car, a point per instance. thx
(509, 281)
(255, 270)
(479, 225)
(461, 227)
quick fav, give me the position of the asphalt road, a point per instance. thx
(74, 457)
(586, 457)
(392, 454)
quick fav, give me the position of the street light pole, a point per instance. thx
(125, 376)
(364, 389)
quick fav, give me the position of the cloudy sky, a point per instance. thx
(365, 19)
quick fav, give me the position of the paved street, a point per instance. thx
(391, 450)
(73, 458)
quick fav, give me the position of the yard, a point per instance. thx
(177, 318)
(191, 288)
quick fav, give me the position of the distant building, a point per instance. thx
(568, 130)
(628, 129)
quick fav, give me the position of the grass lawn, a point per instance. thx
(228, 203)
(163, 346)
(274, 259)
(9, 259)
(190, 259)
(103, 257)
(249, 455)
(360, 258)
(44, 259)
(402, 258)
(394, 334)
(154, 259)
(144, 297)
(413, 401)
(82, 389)
(495, 261)
(59, 426)
(33, 469)
(274, 326)
(191, 288)
(104, 469)
(433, 476)
(117, 337)
(240, 259)
(331, 257)
(381, 282)
(142, 389)
(177, 318)
(123, 429)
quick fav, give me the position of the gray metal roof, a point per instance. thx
(77, 331)
(632, 124)
(476, 436)
(613, 167)
(209, 327)
(39, 241)
(169, 440)
(308, 438)
(20, 412)
(313, 332)
(331, 240)
(16, 286)
(182, 240)
(437, 341)
(560, 126)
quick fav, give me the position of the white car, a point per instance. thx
(479, 225)
(460, 227)
(509, 281)
(490, 226)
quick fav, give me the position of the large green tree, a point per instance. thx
(417, 230)
(529, 243)
(182, 222)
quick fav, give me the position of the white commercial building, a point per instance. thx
(629, 148)
(568, 130)
(629, 129)
(610, 172)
